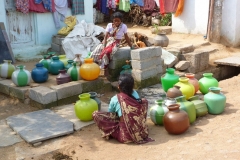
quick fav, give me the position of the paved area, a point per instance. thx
(40, 125)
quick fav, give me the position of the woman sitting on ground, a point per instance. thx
(126, 119)
(115, 31)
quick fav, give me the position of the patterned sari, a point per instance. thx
(133, 128)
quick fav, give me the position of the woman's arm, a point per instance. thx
(128, 40)
(104, 42)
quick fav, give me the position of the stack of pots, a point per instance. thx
(181, 98)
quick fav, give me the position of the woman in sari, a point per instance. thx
(126, 116)
(115, 31)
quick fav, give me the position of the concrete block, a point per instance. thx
(68, 100)
(146, 53)
(182, 65)
(42, 106)
(122, 53)
(18, 92)
(144, 64)
(57, 48)
(57, 39)
(117, 64)
(169, 59)
(140, 75)
(67, 89)
(5, 85)
(199, 60)
(147, 82)
(94, 85)
(185, 48)
(43, 95)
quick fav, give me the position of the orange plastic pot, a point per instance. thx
(89, 70)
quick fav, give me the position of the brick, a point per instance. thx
(57, 39)
(5, 85)
(136, 64)
(140, 75)
(146, 53)
(43, 95)
(18, 92)
(199, 60)
(88, 86)
(122, 53)
(67, 89)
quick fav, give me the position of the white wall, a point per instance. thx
(230, 31)
(3, 13)
(45, 27)
(194, 18)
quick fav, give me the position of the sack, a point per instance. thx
(70, 21)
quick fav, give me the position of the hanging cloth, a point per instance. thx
(111, 4)
(117, 2)
(104, 8)
(77, 7)
(168, 6)
(149, 5)
(33, 7)
(124, 5)
(138, 2)
(22, 6)
(61, 9)
(180, 8)
(47, 4)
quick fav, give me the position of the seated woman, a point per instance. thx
(126, 119)
(115, 31)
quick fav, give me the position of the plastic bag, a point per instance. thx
(70, 21)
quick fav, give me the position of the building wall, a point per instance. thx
(230, 31)
(194, 18)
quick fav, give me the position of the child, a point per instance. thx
(115, 31)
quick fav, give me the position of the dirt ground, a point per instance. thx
(210, 137)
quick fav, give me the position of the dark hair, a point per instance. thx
(126, 83)
(117, 15)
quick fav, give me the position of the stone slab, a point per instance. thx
(122, 53)
(146, 53)
(19, 92)
(88, 86)
(42, 106)
(68, 100)
(117, 64)
(5, 85)
(136, 64)
(40, 125)
(7, 135)
(43, 95)
(140, 75)
(229, 61)
(67, 89)
(169, 59)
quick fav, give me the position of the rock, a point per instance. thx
(169, 59)
(182, 65)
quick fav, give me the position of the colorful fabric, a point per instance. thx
(179, 8)
(124, 5)
(168, 6)
(104, 9)
(138, 2)
(33, 7)
(77, 7)
(22, 6)
(46, 3)
(132, 129)
(111, 4)
(149, 5)
(114, 105)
